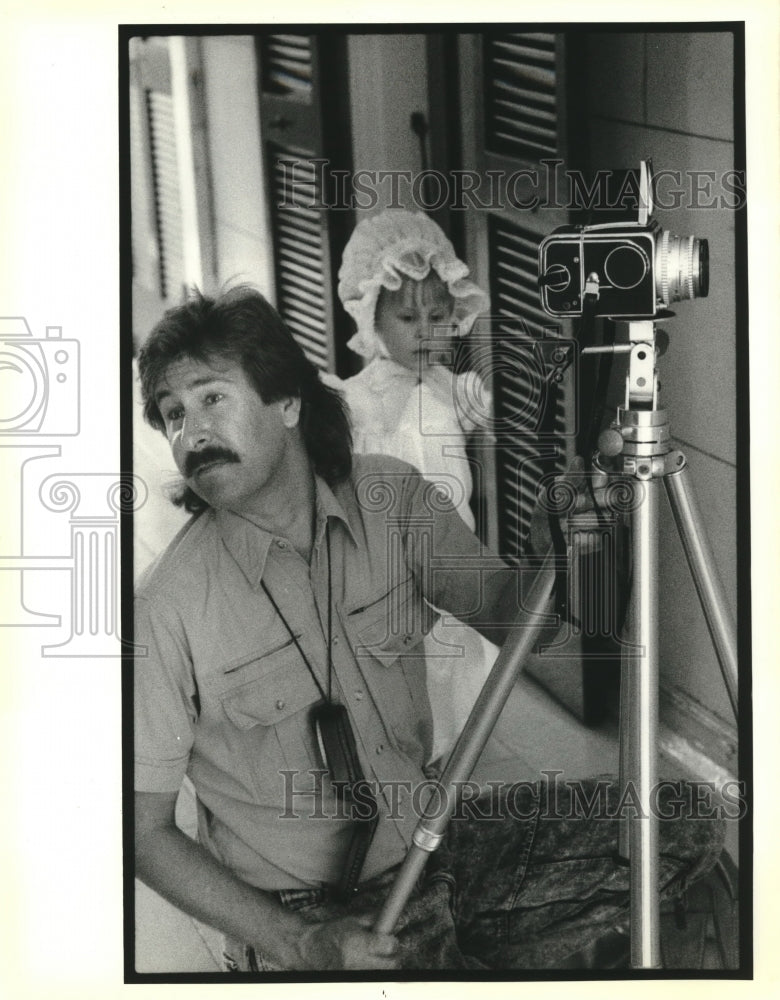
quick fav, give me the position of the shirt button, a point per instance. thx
(358, 695)
(380, 748)
(280, 704)
(407, 640)
(281, 543)
(335, 640)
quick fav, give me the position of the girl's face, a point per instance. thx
(414, 313)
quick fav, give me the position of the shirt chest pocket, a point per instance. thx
(391, 625)
(267, 699)
(387, 634)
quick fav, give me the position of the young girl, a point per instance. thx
(403, 284)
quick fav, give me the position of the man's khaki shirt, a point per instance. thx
(224, 696)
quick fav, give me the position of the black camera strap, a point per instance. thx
(338, 751)
(584, 335)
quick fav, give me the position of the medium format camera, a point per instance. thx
(626, 270)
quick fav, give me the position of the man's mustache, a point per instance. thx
(197, 459)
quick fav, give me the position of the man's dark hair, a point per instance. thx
(243, 327)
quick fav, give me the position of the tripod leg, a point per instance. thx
(510, 661)
(705, 575)
(626, 770)
(642, 733)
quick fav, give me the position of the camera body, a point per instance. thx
(627, 270)
(622, 259)
(40, 381)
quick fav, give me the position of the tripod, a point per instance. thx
(639, 441)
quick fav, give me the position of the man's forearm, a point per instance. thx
(185, 874)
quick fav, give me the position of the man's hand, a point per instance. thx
(347, 943)
(572, 500)
(193, 880)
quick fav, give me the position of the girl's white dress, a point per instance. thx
(425, 424)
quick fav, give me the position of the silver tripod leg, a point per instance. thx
(705, 575)
(641, 673)
(639, 440)
(639, 689)
(510, 661)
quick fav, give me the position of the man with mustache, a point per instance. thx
(304, 579)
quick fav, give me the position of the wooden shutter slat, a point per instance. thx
(295, 220)
(543, 78)
(511, 109)
(521, 112)
(287, 63)
(304, 303)
(304, 272)
(524, 97)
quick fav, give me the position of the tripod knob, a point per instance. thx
(610, 442)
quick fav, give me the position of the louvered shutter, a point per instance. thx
(522, 124)
(532, 436)
(157, 236)
(171, 227)
(305, 139)
(167, 203)
(300, 256)
(528, 118)
(521, 109)
(287, 66)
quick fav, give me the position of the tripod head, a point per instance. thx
(638, 441)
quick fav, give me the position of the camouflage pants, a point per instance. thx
(521, 882)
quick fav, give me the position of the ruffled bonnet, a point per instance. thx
(388, 247)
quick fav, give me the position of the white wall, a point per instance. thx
(388, 81)
(241, 229)
(669, 96)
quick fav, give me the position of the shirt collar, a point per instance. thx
(248, 543)
(329, 507)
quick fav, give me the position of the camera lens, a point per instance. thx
(682, 267)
